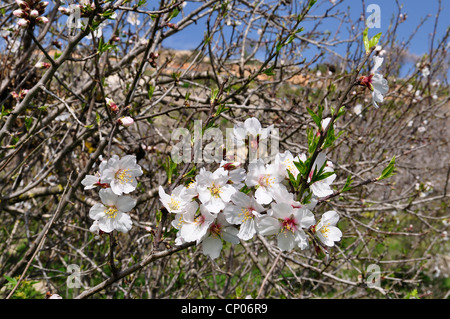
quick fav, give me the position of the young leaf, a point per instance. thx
(347, 184)
(388, 171)
(366, 39)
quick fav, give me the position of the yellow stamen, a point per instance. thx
(123, 176)
(247, 214)
(111, 212)
(174, 204)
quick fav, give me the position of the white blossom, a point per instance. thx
(111, 213)
(326, 229)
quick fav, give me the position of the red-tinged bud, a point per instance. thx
(42, 20)
(20, 13)
(22, 4)
(115, 39)
(57, 44)
(172, 25)
(64, 10)
(14, 94)
(231, 166)
(125, 121)
(112, 106)
(42, 65)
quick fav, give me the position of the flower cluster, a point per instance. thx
(115, 177)
(30, 12)
(234, 203)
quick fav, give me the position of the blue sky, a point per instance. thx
(416, 10)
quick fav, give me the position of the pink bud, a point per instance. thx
(34, 13)
(22, 4)
(42, 65)
(20, 13)
(23, 23)
(112, 106)
(126, 121)
(64, 10)
(42, 20)
(14, 94)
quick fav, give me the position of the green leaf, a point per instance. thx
(347, 184)
(388, 171)
(292, 179)
(150, 92)
(366, 40)
(315, 117)
(374, 41)
(269, 71)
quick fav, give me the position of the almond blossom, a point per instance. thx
(245, 211)
(287, 223)
(326, 230)
(177, 201)
(266, 178)
(92, 181)
(193, 226)
(213, 189)
(111, 213)
(121, 174)
(219, 230)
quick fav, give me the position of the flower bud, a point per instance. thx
(112, 106)
(64, 10)
(126, 121)
(14, 95)
(231, 166)
(20, 13)
(42, 20)
(42, 65)
(34, 13)
(23, 23)
(22, 4)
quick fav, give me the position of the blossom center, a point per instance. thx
(247, 213)
(324, 230)
(123, 176)
(199, 220)
(289, 224)
(215, 190)
(174, 204)
(216, 229)
(266, 180)
(111, 212)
